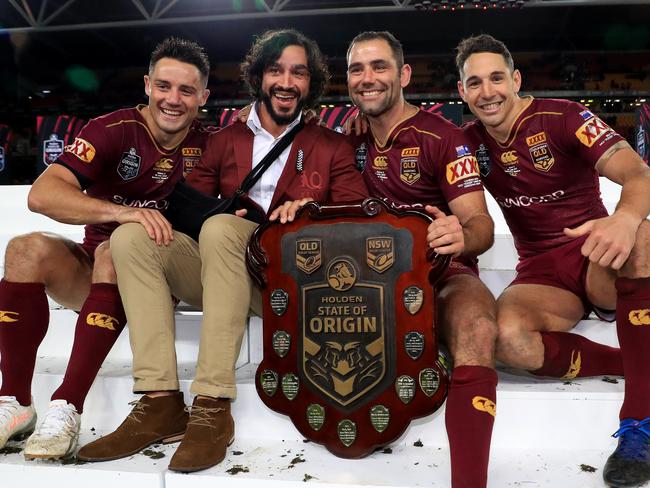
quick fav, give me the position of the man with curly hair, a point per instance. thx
(285, 72)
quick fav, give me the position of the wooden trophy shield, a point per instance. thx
(350, 345)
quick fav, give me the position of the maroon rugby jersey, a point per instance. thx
(544, 177)
(425, 160)
(116, 158)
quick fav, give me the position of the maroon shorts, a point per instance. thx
(563, 267)
(461, 265)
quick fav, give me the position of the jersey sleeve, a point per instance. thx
(95, 147)
(458, 171)
(586, 134)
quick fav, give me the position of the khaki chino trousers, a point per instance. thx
(210, 275)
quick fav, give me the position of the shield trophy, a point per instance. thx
(350, 344)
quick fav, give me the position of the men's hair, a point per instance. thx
(268, 48)
(395, 45)
(483, 43)
(184, 51)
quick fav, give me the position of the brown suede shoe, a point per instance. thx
(210, 431)
(151, 420)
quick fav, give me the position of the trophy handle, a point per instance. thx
(439, 264)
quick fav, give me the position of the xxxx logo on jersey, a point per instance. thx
(483, 404)
(640, 317)
(7, 316)
(81, 148)
(592, 130)
(461, 168)
(101, 320)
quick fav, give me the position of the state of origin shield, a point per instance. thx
(350, 345)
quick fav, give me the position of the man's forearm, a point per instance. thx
(479, 235)
(63, 202)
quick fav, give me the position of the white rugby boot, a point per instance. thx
(57, 436)
(16, 421)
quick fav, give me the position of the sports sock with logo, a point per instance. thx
(24, 317)
(101, 320)
(633, 328)
(469, 417)
(569, 356)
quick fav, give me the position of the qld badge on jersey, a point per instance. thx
(129, 165)
(191, 157)
(409, 170)
(483, 159)
(540, 152)
(52, 149)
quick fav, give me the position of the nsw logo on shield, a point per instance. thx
(380, 253)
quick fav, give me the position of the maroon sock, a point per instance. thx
(633, 327)
(101, 319)
(569, 356)
(24, 316)
(470, 411)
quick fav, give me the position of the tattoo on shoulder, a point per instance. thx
(610, 152)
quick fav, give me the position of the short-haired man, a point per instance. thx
(541, 160)
(416, 158)
(285, 72)
(119, 169)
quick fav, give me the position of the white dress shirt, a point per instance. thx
(262, 192)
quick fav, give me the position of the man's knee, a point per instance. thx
(226, 230)
(126, 240)
(103, 269)
(33, 248)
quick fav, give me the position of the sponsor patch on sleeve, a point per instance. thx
(592, 130)
(81, 148)
(462, 168)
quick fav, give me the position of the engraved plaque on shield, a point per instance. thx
(412, 298)
(347, 431)
(315, 416)
(414, 344)
(281, 342)
(405, 388)
(269, 382)
(429, 381)
(379, 417)
(279, 301)
(290, 385)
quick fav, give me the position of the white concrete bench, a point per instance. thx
(544, 430)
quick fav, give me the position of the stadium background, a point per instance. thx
(65, 61)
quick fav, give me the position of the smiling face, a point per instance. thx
(176, 90)
(490, 89)
(285, 85)
(375, 81)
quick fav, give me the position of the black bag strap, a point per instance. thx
(267, 161)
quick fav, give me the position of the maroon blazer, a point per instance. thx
(328, 172)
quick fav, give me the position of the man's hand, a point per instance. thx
(445, 234)
(287, 211)
(357, 125)
(610, 240)
(242, 115)
(158, 227)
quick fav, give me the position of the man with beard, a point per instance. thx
(541, 160)
(121, 168)
(285, 72)
(414, 158)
